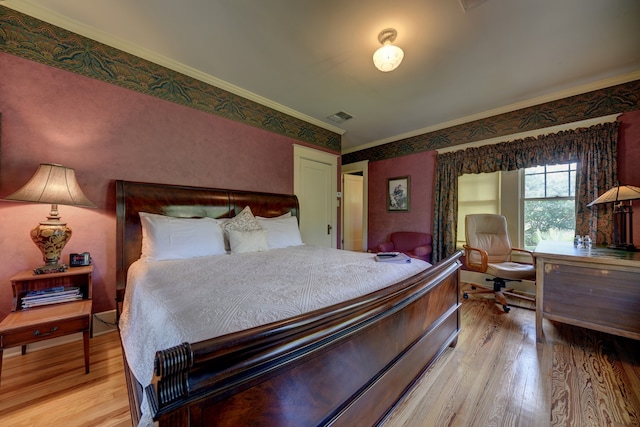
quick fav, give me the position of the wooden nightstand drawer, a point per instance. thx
(27, 326)
(27, 335)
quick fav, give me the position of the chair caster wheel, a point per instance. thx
(465, 295)
(506, 308)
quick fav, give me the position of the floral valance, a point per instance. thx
(593, 148)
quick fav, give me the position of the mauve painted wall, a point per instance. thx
(421, 168)
(106, 133)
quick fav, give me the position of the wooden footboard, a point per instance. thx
(347, 365)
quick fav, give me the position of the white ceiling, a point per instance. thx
(313, 58)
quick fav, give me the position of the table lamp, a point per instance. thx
(57, 185)
(622, 214)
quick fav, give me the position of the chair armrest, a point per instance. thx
(385, 247)
(423, 250)
(482, 267)
(525, 251)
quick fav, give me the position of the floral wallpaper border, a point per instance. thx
(612, 100)
(30, 38)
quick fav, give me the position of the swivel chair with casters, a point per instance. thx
(488, 250)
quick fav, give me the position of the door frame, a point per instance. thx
(362, 166)
(301, 152)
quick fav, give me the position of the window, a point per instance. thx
(477, 193)
(549, 203)
(539, 202)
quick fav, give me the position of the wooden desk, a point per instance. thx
(595, 288)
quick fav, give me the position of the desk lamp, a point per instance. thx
(57, 185)
(622, 214)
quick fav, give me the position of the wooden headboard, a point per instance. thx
(185, 202)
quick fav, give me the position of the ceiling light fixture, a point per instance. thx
(388, 57)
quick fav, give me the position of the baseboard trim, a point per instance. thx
(103, 323)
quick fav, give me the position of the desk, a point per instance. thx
(595, 288)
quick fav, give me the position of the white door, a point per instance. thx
(355, 196)
(315, 184)
(352, 206)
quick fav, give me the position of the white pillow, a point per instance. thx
(248, 241)
(282, 232)
(165, 237)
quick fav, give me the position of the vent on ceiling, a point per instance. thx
(340, 117)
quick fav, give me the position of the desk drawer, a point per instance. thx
(45, 330)
(593, 295)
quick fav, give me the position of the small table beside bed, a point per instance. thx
(258, 328)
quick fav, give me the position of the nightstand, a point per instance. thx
(26, 326)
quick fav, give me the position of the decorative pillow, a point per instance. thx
(282, 232)
(248, 241)
(244, 221)
(165, 237)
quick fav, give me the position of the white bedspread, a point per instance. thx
(170, 302)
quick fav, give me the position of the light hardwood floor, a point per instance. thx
(496, 376)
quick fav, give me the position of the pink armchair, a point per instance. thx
(414, 244)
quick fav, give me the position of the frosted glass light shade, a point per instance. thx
(388, 57)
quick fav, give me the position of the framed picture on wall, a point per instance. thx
(398, 194)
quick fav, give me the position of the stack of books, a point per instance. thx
(51, 296)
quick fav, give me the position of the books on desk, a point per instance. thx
(51, 296)
(394, 257)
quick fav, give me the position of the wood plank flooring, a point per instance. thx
(48, 387)
(496, 376)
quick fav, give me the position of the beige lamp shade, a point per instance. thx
(617, 194)
(54, 184)
(57, 185)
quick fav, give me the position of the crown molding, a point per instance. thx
(38, 12)
(578, 90)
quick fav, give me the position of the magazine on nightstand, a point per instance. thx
(51, 296)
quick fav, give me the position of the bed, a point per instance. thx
(348, 363)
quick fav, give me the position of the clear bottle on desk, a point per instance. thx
(577, 241)
(586, 241)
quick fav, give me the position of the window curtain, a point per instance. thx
(594, 149)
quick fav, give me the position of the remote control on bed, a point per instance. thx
(388, 254)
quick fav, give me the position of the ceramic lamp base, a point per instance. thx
(48, 269)
(51, 237)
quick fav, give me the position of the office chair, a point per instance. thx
(488, 251)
